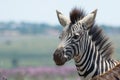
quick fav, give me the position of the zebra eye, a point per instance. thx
(76, 36)
(60, 37)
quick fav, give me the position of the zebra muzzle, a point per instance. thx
(59, 58)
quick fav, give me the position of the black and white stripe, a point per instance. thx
(89, 47)
(89, 60)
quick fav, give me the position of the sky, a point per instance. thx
(44, 11)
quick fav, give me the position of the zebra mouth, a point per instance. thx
(58, 58)
(59, 61)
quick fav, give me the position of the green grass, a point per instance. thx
(30, 50)
(36, 50)
(28, 45)
(116, 43)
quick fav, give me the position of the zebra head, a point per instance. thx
(72, 36)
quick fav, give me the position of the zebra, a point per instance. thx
(86, 43)
(113, 74)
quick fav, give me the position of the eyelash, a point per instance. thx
(60, 37)
(76, 36)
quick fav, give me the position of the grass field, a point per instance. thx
(30, 50)
(37, 51)
(115, 39)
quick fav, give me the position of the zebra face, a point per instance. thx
(71, 37)
(60, 56)
(69, 44)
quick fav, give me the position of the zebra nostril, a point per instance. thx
(57, 55)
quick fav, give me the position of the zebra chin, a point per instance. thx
(60, 62)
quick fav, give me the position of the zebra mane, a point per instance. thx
(76, 14)
(102, 42)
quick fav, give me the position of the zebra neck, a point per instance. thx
(87, 63)
(91, 63)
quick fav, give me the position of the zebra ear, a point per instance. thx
(62, 19)
(89, 19)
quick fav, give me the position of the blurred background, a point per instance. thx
(29, 31)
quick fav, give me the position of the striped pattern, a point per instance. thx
(113, 74)
(90, 47)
